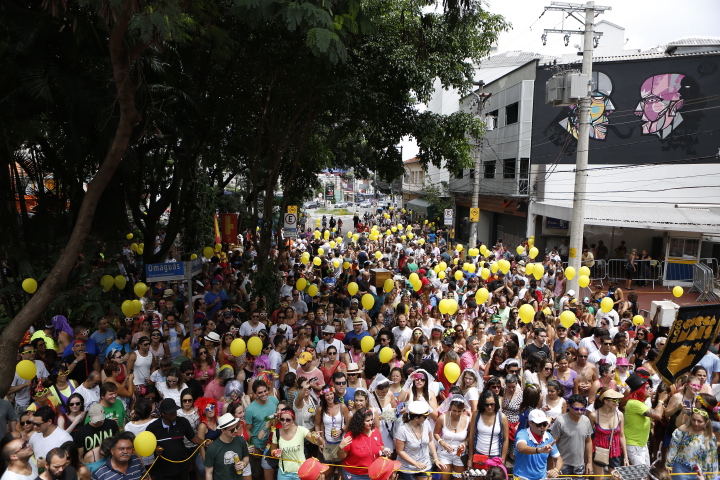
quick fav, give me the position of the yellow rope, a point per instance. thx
(172, 461)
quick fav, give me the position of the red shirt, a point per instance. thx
(363, 451)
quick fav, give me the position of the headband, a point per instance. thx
(289, 412)
(703, 402)
(326, 390)
(496, 462)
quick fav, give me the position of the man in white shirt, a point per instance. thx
(402, 332)
(47, 436)
(328, 341)
(89, 389)
(624, 325)
(18, 454)
(592, 343)
(252, 326)
(287, 289)
(612, 315)
(298, 304)
(21, 387)
(275, 357)
(566, 298)
(604, 355)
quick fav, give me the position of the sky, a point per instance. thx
(647, 24)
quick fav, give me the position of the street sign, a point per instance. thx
(290, 225)
(292, 209)
(448, 216)
(195, 266)
(474, 214)
(163, 272)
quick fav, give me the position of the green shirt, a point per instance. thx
(221, 457)
(116, 412)
(637, 425)
(293, 449)
(255, 416)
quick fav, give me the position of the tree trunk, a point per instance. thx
(129, 117)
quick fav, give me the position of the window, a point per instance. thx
(511, 113)
(472, 173)
(460, 174)
(685, 248)
(489, 168)
(509, 168)
(524, 167)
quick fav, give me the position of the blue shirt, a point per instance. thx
(210, 298)
(711, 363)
(533, 466)
(135, 471)
(561, 347)
(351, 335)
(91, 347)
(349, 395)
(116, 346)
(255, 417)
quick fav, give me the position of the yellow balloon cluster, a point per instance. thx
(448, 306)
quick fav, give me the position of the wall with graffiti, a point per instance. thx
(643, 111)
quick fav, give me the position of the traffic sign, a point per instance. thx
(448, 216)
(292, 209)
(474, 214)
(290, 225)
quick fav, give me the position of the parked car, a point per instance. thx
(310, 205)
(365, 204)
(341, 205)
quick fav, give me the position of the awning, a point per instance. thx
(420, 206)
(636, 215)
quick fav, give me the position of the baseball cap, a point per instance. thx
(304, 358)
(571, 293)
(538, 416)
(96, 413)
(168, 406)
(168, 293)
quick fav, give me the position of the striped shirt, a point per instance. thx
(135, 470)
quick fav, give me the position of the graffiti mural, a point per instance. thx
(659, 109)
(660, 104)
(600, 108)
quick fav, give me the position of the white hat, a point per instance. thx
(538, 416)
(571, 293)
(227, 420)
(419, 407)
(329, 329)
(352, 368)
(213, 337)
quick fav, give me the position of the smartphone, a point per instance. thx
(400, 406)
(688, 404)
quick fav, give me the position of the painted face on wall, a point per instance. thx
(600, 108)
(659, 104)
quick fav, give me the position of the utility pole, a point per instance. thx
(480, 99)
(577, 225)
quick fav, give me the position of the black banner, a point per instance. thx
(693, 331)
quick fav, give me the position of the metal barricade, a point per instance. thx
(704, 282)
(645, 270)
(598, 271)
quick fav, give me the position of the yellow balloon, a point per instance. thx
(531, 241)
(137, 306)
(301, 284)
(367, 343)
(385, 354)
(520, 250)
(414, 277)
(527, 313)
(471, 267)
(237, 347)
(336, 263)
(452, 306)
(326, 235)
(442, 265)
(399, 226)
(403, 238)
(567, 319)
(145, 443)
(584, 271)
(539, 271)
(388, 285)
(352, 288)
(305, 257)
(208, 252)
(321, 251)
(140, 289)
(533, 252)
(218, 247)
(254, 346)
(442, 306)
(421, 241)
(355, 237)
(678, 291)
(583, 281)
(426, 222)
(504, 266)
(140, 251)
(458, 274)
(346, 265)
(452, 372)
(547, 311)
(606, 304)
(317, 261)
(333, 244)
(120, 282)
(129, 236)
(107, 282)
(368, 301)
(134, 247)
(456, 260)
(334, 229)
(29, 285)
(483, 250)
(393, 229)
(350, 235)
(317, 234)
(484, 273)
(312, 290)
(26, 369)
(494, 267)
(317, 222)
(127, 308)
(459, 247)
(441, 275)
(193, 256)
(378, 254)
(411, 236)
(482, 295)
(417, 286)
(638, 320)
(569, 273)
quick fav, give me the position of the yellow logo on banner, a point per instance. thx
(474, 214)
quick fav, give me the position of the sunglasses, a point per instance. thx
(490, 404)
(607, 344)
(37, 424)
(187, 400)
(579, 409)
(74, 404)
(615, 400)
(286, 419)
(63, 373)
(582, 356)
(542, 425)
(210, 408)
(496, 387)
(42, 392)
(341, 383)
(29, 351)
(172, 380)
(25, 422)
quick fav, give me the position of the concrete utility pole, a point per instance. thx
(577, 225)
(480, 99)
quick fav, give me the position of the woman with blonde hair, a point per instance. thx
(470, 385)
(694, 445)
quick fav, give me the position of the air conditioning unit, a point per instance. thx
(490, 122)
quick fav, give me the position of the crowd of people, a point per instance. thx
(362, 371)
